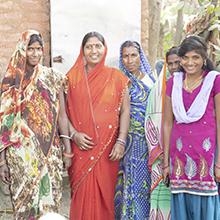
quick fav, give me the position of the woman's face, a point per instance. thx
(93, 51)
(192, 62)
(131, 59)
(33, 54)
(173, 62)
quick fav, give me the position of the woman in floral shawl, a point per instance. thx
(133, 186)
(32, 107)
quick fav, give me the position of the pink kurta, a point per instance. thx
(192, 147)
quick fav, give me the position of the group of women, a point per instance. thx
(126, 135)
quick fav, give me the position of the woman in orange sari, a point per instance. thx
(99, 109)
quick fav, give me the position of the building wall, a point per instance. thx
(17, 16)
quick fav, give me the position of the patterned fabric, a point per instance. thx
(192, 152)
(93, 107)
(160, 194)
(133, 185)
(28, 119)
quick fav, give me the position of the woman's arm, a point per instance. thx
(4, 174)
(124, 121)
(63, 123)
(217, 113)
(167, 128)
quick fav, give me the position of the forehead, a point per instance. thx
(130, 49)
(93, 40)
(192, 53)
(173, 57)
(35, 44)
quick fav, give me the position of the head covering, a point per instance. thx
(12, 93)
(144, 67)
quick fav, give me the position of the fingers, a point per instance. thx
(117, 152)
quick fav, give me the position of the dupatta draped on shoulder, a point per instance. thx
(93, 107)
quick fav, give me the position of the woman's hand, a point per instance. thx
(166, 172)
(66, 163)
(4, 174)
(117, 152)
(217, 173)
(83, 141)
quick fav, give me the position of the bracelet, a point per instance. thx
(165, 166)
(121, 141)
(217, 157)
(72, 134)
(70, 155)
(217, 166)
(123, 132)
(64, 136)
(2, 163)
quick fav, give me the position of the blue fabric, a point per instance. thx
(133, 184)
(185, 206)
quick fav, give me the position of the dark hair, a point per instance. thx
(35, 38)
(195, 42)
(129, 43)
(172, 50)
(92, 34)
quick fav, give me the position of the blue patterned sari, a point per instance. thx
(133, 184)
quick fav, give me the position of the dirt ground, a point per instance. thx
(6, 207)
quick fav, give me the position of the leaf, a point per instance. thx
(216, 47)
(186, 7)
(218, 40)
(180, 5)
(214, 26)
(201, 11)
(202, 1)
(210, 8)
(191, 10)
(217, 11)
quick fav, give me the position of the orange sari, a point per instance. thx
(93, 107)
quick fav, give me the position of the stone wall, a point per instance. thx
(17, 16)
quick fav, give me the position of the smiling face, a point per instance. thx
(33, 55)
(131, 59)
(93, 52)
(173, 62)
(192, 62)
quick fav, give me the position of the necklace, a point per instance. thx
(140, 74)
(194, 83)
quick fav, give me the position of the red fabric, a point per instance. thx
(93, 107)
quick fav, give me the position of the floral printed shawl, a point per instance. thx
(28, 119)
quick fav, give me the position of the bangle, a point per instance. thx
(123, 132)
(165, 166)
(217, 158)
(2, 163)
(217, 166)
(70, 155)
(121, 141)
(72, 134)
(64, 136)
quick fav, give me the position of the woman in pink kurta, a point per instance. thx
(193, 101)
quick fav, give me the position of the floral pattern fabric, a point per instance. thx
(28, 120)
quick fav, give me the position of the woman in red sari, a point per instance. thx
(99, 111)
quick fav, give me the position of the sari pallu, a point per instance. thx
(93, 106)
(160, 194)
(132, 194)
(28, 116)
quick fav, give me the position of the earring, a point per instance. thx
(204, 63)
(180, 64)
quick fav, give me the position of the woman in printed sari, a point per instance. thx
(32, 107)
(160, 194)
(190, 131)
(133, 186)
(98, 108)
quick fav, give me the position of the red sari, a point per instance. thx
(93, 106)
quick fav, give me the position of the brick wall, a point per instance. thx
(17, 16)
